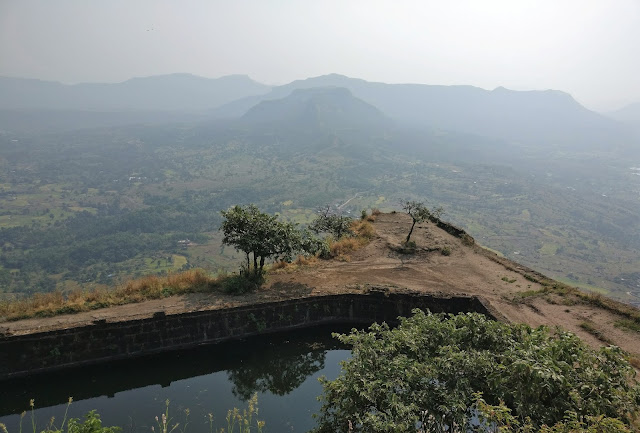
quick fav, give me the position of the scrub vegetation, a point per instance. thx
(444, 373)
(437, 372)
(258, 235)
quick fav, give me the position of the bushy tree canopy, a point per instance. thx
(428, 373)
(336, 225)
(259, 235)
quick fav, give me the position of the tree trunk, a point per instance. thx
(255, 264)
(261, 264)
(410, 231)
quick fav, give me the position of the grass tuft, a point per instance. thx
(363, 229)
(282, 264)
(631, 325)
(344, 246)
(591, 329)
(302, 260)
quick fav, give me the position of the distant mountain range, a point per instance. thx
(175, 92)
(546, 119)
(534, 117)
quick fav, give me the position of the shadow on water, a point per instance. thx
(273, 365)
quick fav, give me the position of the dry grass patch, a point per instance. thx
(363, 229)
(279, 265)
(300, 261)
(138, 290)
(363, 233)
(344, 246)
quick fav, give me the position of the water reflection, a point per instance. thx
(279, 370)
(282, 368)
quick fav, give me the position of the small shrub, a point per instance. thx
(509, 280)
(241, 283)
(91, 424)
(375, 211)
(445, 251)
(314, 245)
(408, 248)
(363, 214)
(467, 240)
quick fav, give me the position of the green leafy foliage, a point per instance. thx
(430, 368)
(91, 424)
(245, 281)
(259, 235)
(499, 419)
(337, 226)
(313, 245)
(418, 212)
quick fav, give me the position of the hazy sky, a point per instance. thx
(588, 48)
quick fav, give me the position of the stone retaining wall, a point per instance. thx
(104, 341)
(451, 229)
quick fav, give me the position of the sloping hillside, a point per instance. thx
(517, 293)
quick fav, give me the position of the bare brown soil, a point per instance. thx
(468, 270)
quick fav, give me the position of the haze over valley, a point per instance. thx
(117, 153)
(196, 195)
(122, 180)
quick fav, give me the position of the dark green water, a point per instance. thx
(282, 368)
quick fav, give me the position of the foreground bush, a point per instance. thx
(432, 371)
